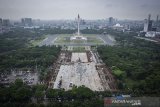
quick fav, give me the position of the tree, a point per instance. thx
(82, 92)
(39, 95)
(22, 94)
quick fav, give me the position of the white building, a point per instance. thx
(118, 27)
(76, 37)
(150, 34)
(148, 24)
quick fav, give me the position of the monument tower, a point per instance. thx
(78, 24)
(78, 36)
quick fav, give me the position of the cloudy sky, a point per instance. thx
(88, 9)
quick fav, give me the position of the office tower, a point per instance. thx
(127, 27)
(149, 17)
(145, 25)
(111, 21)
(22, 21)
(148, 24)
(6, 22)
(157, 19)
(26, 21)
(0, 21)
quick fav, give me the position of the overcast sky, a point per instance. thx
(88, 9)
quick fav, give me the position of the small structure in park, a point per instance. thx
(78, 36)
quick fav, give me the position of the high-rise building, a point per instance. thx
(148, 24)
(22, 21)
(157, 19)
(0, 21)
(6, 22)
(26, 21)
(111, 21)
(149, 17)
(145, 25)
(127, 27)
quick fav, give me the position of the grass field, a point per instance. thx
(78, 49)
(62, 39)
(65, 38)
(38, 41)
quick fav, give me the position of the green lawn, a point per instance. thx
(62, 39)
(92, 39)
(78, 49)
(38, 41)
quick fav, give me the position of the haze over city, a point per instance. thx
(79, 53)
(89, 9)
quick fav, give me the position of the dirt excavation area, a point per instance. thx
(81, 69)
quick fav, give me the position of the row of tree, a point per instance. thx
(135, 63)
(19, 94)
(17, 53)
(19, 38)
(32, 57)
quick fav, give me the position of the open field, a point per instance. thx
(64, 39)
(78, 49)
(38, 41)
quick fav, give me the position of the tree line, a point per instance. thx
(19, 94)
(135, 63)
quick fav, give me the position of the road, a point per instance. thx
(107, 39)
(49, 40)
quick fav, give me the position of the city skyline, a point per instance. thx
(88, 9)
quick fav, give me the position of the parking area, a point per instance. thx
(28, 77)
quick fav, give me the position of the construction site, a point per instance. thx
(80, 64)
(82, 68)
